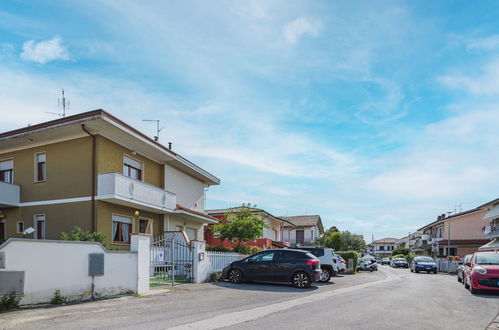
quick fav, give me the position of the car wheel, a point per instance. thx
(301, 280)
(459, 279)
(428, 272)
(412, 270)
(325, 275)
(472, 290)
(235, 276)
(417, 270)
(434, 272)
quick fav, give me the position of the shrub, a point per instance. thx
(79, 234)
(409, 257)
(58, 299)
(217, 248)
(246, 249)
(350, 254)
(399, 256)
(404, 251)
(10, 301)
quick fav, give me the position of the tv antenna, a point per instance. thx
(61, 103)
(156, 138)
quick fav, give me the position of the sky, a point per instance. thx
(378, 116)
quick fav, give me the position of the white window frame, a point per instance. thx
(35, 224)
(5, 160)
(17, 227)
(142, 167)
(128, 221)
(35, 178)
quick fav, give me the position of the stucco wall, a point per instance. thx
(189, 191)
(51, 266)
(179, 220)
(468, 226)
(110, 159)
(68, 170)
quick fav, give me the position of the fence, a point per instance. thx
(219, 259)
(443, 266)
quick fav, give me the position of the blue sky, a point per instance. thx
(376, 115)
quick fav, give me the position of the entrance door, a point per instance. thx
(40, 226)
(2, 230)
(300, 236)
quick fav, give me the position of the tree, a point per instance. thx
(322, 240)
(404, 251)
(79, 234)
(352, 241)
(341, 241)
(241, 224)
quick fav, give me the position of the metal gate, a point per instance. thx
(171, 260)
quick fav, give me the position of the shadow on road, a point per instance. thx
(267, 287)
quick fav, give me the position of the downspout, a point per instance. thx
(94, 176)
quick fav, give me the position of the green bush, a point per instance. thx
(79, 234)
(409, 257)
(404, 251)
(350, 254)
(246, 249)
(403, 256)
(10, 301)
(217, 248)
(58, 299)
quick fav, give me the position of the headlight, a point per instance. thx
(480, 270)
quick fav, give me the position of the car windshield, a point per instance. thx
(425, 259)
(399, 259)
(488, 259)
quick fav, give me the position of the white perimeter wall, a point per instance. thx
(189, 191)
(53, 265)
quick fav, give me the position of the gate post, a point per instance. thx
(200, 265)
(141, 243)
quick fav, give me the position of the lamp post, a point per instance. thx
(448, 249)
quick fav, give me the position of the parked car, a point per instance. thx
(385, 261)
(482, 272)
(341, 264)
(399, 262)
(425, 264)
(462, 267)
(367, 263)
(378, 259)
(298, 267)
(329, 261)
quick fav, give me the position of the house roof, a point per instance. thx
(181, 209)
(216, 212)
(456, 215)
(306, 220)
(387, 240)
(102, 123)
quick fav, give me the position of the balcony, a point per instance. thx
(9, 195)
(119, 189)
(425, 237)
(493, 233)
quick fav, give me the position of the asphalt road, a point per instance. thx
(387, 299)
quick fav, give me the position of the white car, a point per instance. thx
(341, 264)
(329, 260)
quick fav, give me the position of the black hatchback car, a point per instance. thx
(297, 267)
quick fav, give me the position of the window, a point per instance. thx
(179, 228)
(7, 171)
(2, 230)
(40, 167)
(39, 226)
(192, 233)
(20, 227)
(300, 236)
(122, 226)
(132, 168)
(264, 256)
(382, 248)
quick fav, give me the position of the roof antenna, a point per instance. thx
(61, 103)
(156, 138)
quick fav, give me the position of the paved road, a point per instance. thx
(388, 299)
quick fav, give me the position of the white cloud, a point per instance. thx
(486, 82)
(488, 43)
(44, 51)
(296, 29)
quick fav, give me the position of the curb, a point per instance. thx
(494, 324)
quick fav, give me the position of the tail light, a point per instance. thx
(342, 261)
(312, 262)
(334, 261)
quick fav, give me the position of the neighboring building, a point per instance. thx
(382, 247)
(272, 236)
(466, 234)
(402, 242)
(491, 225)
(305, 229)
(94, 171)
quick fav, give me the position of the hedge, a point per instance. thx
(350, 254)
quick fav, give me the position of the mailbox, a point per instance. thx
(96, 264)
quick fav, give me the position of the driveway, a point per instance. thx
(387, 299)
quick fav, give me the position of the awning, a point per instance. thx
(492, 214)
(195, 215)
(491, 246)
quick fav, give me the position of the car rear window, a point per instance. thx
(315, 251)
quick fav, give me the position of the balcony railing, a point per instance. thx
(120, 189)
(493, 233)
(9, 194)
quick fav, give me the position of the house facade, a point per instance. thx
(382, 247)
(272, 235)
(491, 226)
(94, 171)
(305, 230)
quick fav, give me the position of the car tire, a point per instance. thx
(459, 279)
(412, 270)
(325, 275)
(472, 290)
(235, 276)
(417, 271)
(301, 280)
(434, 272)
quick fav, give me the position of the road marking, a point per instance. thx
(230, 319)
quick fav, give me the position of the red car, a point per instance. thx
(482, 272)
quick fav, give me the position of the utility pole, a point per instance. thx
(156, 138)
(448, 250)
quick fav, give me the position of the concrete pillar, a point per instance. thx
(141, 243)
(201, 268)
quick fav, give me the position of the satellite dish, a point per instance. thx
(29, 230)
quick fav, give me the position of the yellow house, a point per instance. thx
(94, 171)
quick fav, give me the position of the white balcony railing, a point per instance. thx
(9, 194)
(492, 232)
(120, 189)
(425, 237)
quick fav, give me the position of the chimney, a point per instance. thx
(170, 145)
